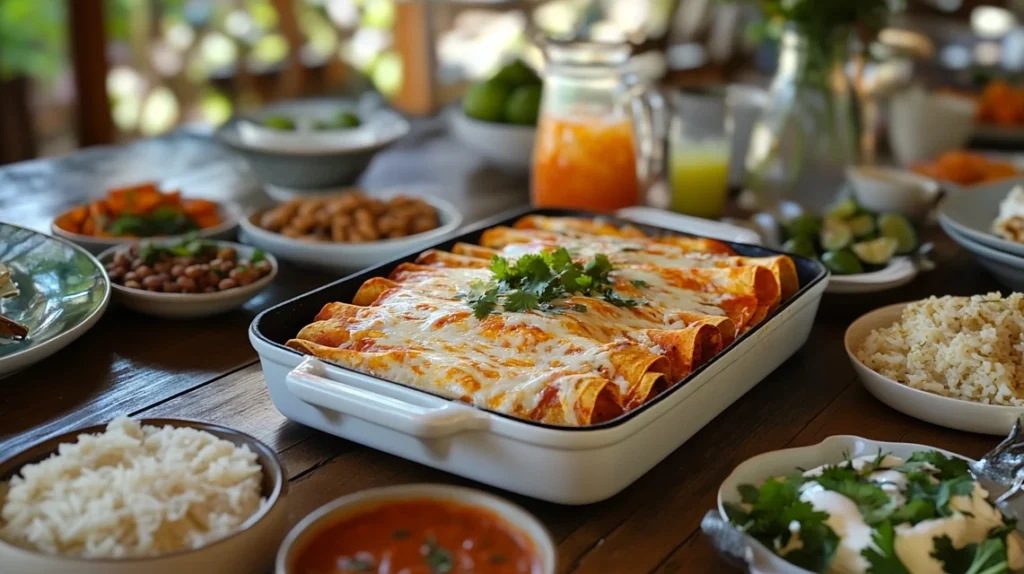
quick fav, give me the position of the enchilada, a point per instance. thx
(557, 320)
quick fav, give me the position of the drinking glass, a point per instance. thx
(699, 149)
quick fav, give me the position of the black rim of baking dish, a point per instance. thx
(285, 319)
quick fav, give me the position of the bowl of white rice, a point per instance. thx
(159, 496)
(957, 362)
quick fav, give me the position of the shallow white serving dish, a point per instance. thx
(347, 257)
(971, 215)
(558, 464)
(882, 189)
(899, 272)
(507, 146)
(249, 550)
(190, 305)
(230, 214)
(353, 504)
(1007, 268)
(943, 411)
(757, 469)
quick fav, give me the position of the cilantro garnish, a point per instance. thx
(773, 507)
(538, 280)
(882, 556)
(639, 284)
(987, 557)
(438, 559)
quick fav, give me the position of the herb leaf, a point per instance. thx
(538, 280)
(438, 559)
(883, 560)
(988, 557)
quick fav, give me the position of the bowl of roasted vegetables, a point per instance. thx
(127, 214)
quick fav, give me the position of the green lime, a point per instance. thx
(899, 228)
(342, 121)
(835, 234)
(805, 225)
(279, 123)
(517, 74)
(862, 225)
(800, 245)
(523, 106)
(486, 101)
(842, 262)
(877, 251)
(844, 209)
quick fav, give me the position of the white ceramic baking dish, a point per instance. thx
(558, 464)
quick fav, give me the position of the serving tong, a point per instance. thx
(1000, 472)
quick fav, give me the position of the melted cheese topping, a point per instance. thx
(542, 365)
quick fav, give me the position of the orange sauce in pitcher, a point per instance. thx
(585, 163)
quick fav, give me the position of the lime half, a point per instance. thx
(279, 123)
(844, 209)
(806, 226)
(842, 262)
(835, 235)
(862, 225)
(801, 246)
(899, 228)
(877, 251)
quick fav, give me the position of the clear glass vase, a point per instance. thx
(807, 133)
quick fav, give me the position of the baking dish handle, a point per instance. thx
(312, 384)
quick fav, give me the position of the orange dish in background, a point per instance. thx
(965, 168)
(140, 211)
(1001, 104)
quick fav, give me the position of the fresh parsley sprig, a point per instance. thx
(539, 280)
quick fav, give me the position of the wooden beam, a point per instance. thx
(88, 47)
(414, 45)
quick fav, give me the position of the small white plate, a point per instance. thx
(899, 272)
(943, 411)
(190, 305)
(834, 449)
(229, 214)
(347, 257)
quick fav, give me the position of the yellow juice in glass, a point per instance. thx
(699, 176)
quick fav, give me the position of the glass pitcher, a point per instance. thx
(599, 140)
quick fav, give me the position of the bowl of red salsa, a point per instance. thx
(418, 529)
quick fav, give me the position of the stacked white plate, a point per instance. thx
(967, 218)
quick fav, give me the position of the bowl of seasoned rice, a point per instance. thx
(160, 496)
(953, 361)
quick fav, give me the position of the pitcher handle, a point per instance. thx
(650, 120)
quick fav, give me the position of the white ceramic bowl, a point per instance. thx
(190, 305)
(507, 146)
(924, 125)
(229, 213)
(943, 411)
(756, 470)
(882, 189)
(249, 550)
(347, 257)
(1007, 268)
(359, 502)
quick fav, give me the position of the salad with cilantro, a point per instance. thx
(881, 515)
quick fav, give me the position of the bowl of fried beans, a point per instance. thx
(187, 278)
(349, 230)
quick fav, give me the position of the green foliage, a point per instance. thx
(32, 38)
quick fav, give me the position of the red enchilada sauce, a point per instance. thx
(419, 537)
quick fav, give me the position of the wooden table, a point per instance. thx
(141, 366)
